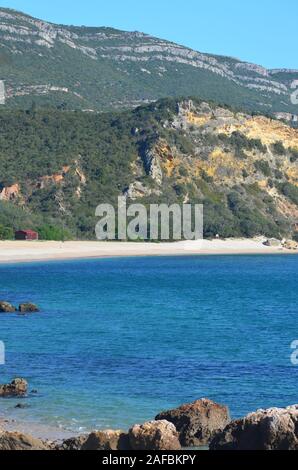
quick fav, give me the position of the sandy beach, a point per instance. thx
(25, 251)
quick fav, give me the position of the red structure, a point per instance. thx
(26, 235)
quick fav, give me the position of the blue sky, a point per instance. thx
(259, 31)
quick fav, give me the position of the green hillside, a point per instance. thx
(103, 69)
(57, 166)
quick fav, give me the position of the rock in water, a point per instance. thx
(22, 406)
(107, 440)
(19, 441)
(272, 429)
(17, 388)
(28, 308)
(197, 422)
(154, 435)
(6, 307)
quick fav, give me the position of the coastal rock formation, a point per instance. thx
(28, 308)
(107, 440)
(6, 307)
(17, 388)
(272, 242)
(197, 422)
(290, 245)
(272, 429)
(19, 441)
(154, 435)
(74, 443)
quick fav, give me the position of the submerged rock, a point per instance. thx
(19, 441)
(197, 422)
(17, 388)
(6, 307)
(272, 429)
(28, 308)
(107, 440)
(154, 435)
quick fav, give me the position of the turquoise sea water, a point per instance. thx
(119, 340)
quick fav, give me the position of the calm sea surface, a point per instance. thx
(119, 340)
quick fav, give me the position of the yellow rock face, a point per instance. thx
(267, 130)
(199, 121)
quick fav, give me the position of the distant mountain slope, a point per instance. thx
(57, 166)
(105, 69)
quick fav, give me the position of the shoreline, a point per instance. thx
(41, 251)
(37, 430)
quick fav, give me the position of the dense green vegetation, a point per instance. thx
(6, 233)
(290, 191)
(68, 162)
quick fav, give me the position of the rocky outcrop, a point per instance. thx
(74, 443)
(17, 388)
(152, 165)
(154, 435)
(272, 242)
(290, 245)
(28, 308)
(6, 307)
(137, 190)
(107, 440)
(272, 429)
(197, 422)
(19, 441)
(10, 193)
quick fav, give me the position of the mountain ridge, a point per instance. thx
(103, 69)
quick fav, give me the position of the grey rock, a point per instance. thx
(272, 429)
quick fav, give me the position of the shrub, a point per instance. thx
(6, 233)
(50, 232)
(290, 191)
(278, 148)
(263, 166)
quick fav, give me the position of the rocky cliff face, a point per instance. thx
(44, 62)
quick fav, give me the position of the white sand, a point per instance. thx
(21, 251)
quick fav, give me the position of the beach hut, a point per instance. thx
(26, 235)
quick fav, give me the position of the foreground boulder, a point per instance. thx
(154, 435)
(272, 429)
(107, 440)
(6, 307)
(74, 443)
(17, 388)
(28, 308)
(197, 422)
(19, 441)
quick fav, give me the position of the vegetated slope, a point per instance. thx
(57, 166)
(104, 69)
